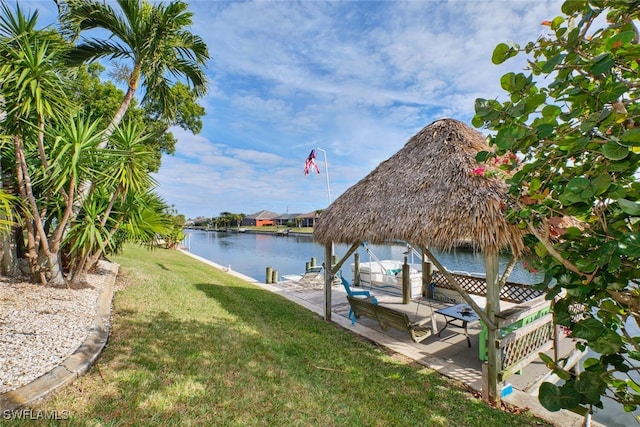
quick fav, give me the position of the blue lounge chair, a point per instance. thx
(366, 294)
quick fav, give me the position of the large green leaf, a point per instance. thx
(601, 183)
(591, 387)
(502, 52)
(545, 130)
(629, 245)
(482, 156)
(580, 189)
(620, 39)
(608, 343)
(551, 64)
(631, 137)
(588, 329)
(549, 396)
(613, 151)
(629, 207)
(554, 398)
(585, 265)
(570, 7)
(602, 63)
(562, 312)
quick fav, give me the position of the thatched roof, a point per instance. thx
(425, 194)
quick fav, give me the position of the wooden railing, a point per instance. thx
(525, 331)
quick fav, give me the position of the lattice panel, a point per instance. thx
(516, 350)
(512, 292)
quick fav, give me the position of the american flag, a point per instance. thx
(310, 163)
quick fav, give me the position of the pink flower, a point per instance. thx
(529, 267)
(478, 171)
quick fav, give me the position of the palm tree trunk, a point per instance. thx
(32, 252)
(56, 278)
(85, 186)
(107, 212)
(117, 118)
(57, 235)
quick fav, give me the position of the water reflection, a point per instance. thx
(250, 254)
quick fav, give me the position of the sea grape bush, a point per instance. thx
(574, 121)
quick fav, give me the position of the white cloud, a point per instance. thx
(357, 79)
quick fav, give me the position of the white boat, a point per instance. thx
(386, 276)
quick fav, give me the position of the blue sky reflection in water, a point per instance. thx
(251, 254)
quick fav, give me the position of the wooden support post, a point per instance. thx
(268, 278)
(492, 308)
(406, 283)
(427, 272)
(485, 381)
(274, 276)
(356, 269)
(312, 263)
(328, 280)
(330, 272)
(556, 334)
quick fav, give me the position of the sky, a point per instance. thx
(353, 79)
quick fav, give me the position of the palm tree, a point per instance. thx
(125, 172)
(32, 85)
(153, 37)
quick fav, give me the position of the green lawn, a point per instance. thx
(192, 345)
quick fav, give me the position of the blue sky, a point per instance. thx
(354, 78)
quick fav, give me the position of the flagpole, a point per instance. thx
(326, 172)
(329, 251)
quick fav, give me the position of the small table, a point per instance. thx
(458, 313)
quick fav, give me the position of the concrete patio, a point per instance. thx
(448, 354)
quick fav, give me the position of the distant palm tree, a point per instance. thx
(152, 36)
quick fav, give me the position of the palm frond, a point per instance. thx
(16, 25)
(93, 50)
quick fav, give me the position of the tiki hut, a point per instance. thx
(428, 194)
(432, 194)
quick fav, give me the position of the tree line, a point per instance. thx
(77, 152)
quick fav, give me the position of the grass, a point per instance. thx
(192, 345)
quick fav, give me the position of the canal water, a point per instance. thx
(251, 253)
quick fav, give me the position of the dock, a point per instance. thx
(447, 354)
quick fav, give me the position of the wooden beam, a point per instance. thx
(459, 289)
(328, 281)
(335, 268)
(492, 308)
(329, 272)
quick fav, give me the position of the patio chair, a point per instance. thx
(366, 295)
(313, 276)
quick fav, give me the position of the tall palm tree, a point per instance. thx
(153, 37)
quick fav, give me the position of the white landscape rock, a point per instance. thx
(41, 326)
